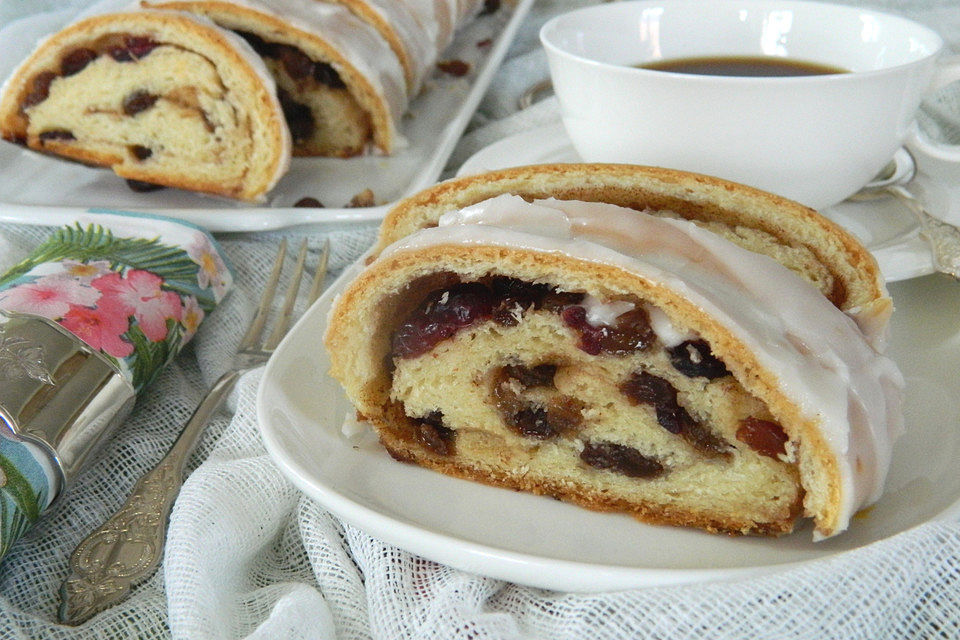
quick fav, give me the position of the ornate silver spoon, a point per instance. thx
(944, 239)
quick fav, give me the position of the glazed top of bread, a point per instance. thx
(408, 37)
(820, 250)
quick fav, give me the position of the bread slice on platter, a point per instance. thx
(342, 88)
(158, 97)
(675, 347)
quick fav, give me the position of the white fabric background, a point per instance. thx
(249, 557)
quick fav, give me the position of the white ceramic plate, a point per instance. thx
(884, 226)
(541, 542)
(39, 189)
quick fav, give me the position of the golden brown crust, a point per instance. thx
(857, 280)
(267, 125)
(359, 359)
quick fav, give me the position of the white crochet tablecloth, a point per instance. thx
(249, 556)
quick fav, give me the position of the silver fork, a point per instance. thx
(127, 548)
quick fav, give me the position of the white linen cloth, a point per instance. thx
(249, 556)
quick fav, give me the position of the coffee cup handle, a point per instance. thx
(947, 72)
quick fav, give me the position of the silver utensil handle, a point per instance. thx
(944, 238)
(127, 547)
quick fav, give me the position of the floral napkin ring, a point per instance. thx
(135, 298)
(87, 320)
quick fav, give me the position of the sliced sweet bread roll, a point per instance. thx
(158, 97)
(817, 249)
(341, 86)
(618, 359)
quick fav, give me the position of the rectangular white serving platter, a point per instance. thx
(37, 189)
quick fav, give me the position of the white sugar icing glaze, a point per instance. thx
(416, 40)
(600, 312)
(435, 19)
(821, 359)
(359, 43)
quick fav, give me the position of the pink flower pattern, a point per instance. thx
(100, 328)
(49, 296)
(139, 294)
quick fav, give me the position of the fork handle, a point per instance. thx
(944, 238)
(127, 547)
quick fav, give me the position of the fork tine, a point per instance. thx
(286, 313)
(260, 317)
(320, 274)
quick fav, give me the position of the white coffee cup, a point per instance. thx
(815, 139)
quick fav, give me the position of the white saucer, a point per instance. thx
(536, 541)
(888, 231)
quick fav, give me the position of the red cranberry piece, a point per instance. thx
(57, 134)
(325, 74)
(693, 358)
(138, 101)
(140, 46)
(630, 332)
(763, 436)
(39, 90)
(576, 318)
(608, 456)
(75, 61)
(441, 316)
(134, 48)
